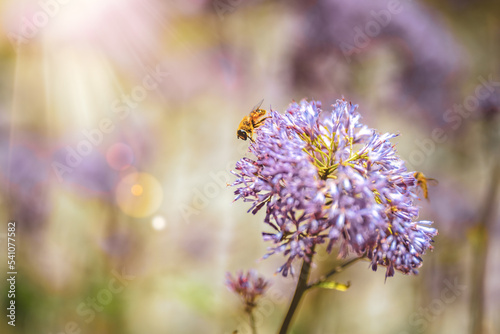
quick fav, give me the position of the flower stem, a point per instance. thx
(299, 291)
(334, 271)
(252, 322)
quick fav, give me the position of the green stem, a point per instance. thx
(334, 271)
(252, 322)
(299, 291)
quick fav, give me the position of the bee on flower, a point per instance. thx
(323, 177)
(248, 125)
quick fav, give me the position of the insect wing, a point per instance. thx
(432, 182)
(257, 106)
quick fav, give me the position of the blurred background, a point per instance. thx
(118, 131)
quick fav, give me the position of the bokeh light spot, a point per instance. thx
(136, 190)
(139, 194)
(158, 222)
(120, 156)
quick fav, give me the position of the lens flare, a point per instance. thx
(136, 190)
(158, 223)
(139, 194)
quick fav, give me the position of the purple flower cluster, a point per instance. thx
(324, 177)
(249, 286)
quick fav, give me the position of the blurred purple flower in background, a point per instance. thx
(249, 286)
(336, 33)
(91, 177)
(325, 177)
(24, 176)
